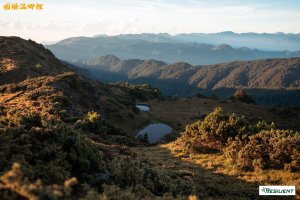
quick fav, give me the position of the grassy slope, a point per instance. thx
(180, 112)
(69, 96)
(211, 174)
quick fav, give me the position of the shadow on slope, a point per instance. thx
(208, 181)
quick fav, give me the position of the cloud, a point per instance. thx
(68, 18)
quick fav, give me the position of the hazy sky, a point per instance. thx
(67, 18)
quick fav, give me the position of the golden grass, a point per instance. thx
(218, 164)
(180, 112)
(212, 173)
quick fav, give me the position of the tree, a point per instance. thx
(241, 95)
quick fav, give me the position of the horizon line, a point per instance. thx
(161, 33)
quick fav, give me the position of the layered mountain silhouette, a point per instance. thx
(192, 48)
(270, 81)
(269, 76)
(267, 73)
(266, 41)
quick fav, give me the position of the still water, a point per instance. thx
(143, 107)
(155, 132)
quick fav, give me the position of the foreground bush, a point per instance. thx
(248, 146)
(129, 172)
(275, 149)
(93, 123)
(13, 184)
(50, 151)
(114, 192)
(213, 132)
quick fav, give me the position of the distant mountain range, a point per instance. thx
(268, 81)
(195, 48)
(263, 41)
(264, 79)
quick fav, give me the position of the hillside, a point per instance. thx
(261, 74)
(55, 88)
(188, 110)
(264, 79)
(189, 48)
(22, 59)
(64, 136)
(59, 129)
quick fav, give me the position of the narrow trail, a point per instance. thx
(208, 181)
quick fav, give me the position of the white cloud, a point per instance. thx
(61, 19)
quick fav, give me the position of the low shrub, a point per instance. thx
(115, 192)
(90, 122)
(93, 123)
(14, 185)
(30, 119)
(46, 150)
(276, 149)
(241, 95)
(212, 133)
(128, 171)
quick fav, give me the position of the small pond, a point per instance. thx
(155, 132)
(143, 107)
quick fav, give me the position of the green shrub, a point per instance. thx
(213, 132)
(130, 171)
(14, 184)
(241, 95)
(275, 149)
(93, 117)
(79, 124)
(116, 193)
(248, 146)
(91, 122)
(30, 119)
(45, 151)
(121, 140)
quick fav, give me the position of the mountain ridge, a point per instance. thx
(170, 49)
(276, 69)
(21, 59)
(184, 79)
(65, 136)
(239, 38)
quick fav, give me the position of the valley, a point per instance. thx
(268, 82)
(188, 110)
(150, 100)
(67, 136)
